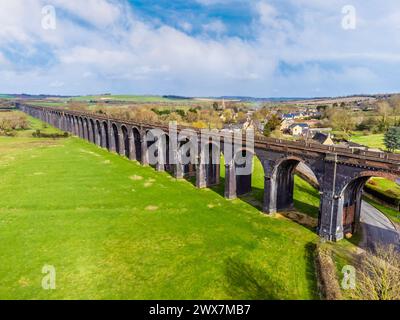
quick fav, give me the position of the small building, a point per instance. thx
(290, 116)
(323, 138)
(286, 124)
(298, 129)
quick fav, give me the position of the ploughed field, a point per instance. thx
(116, 230)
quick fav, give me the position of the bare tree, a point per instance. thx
(378, 275)
(341, 119)
(384, 111)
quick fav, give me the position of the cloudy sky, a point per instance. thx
(263, 48)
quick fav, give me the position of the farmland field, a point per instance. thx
(371, 140)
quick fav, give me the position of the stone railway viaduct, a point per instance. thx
(341, 172)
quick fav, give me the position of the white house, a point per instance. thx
(298, 129)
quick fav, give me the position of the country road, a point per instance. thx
(377, 228)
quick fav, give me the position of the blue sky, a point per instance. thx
(263, 48)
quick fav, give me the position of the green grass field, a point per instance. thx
(385, 186)
(116, 230)
(373, 140)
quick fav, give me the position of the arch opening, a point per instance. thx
(294, 186)
(105, 135)
(351, 200)
(92, 135)
(213, 164)
(81, 126)
(126, 141)
(187, 159)
(86, 129)
(137, 145)
(76, 126)
(164, 153)
(99, 136)
(115, 138)
(244, 168)
(285, 185)
(351, 204)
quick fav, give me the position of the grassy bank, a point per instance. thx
(392, 214)
(385, 186)
(113, 229)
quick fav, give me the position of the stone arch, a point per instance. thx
(66, 123)
(362, 174)
(186, 159)
(105, 136)
(147, 143)
(136, 145)
(245, 164)
(99, 135)
(125, 143)
(115, 139)
(350, 199)
(78, 126)
(168, 166)
(92, 131)
(157, 149)
(69, 126)
(86, 129)
(73, 126)
(279, 186)
(211, 155)
(81, 128)
(164, 153)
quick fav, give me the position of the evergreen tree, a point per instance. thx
(267, 130)
(273, 123)
(392, 139)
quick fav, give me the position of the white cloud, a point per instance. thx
(57, 84)
(3, 60)
(100, 13)
(186, 26)
(216, 26)
(213, 2)
(267, 12)
(121, 52)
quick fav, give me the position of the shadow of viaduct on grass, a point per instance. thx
(250, 283)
